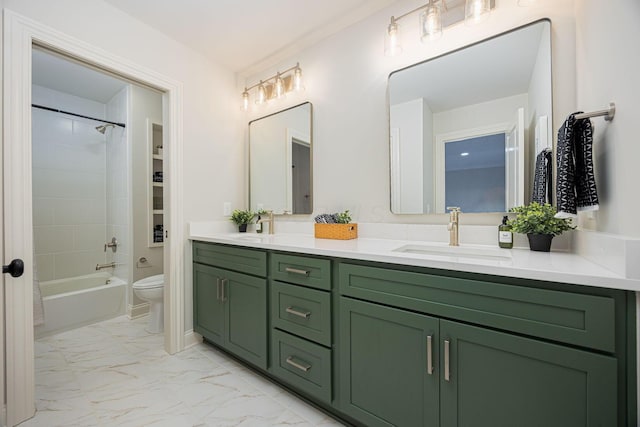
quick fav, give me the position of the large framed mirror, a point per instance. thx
(280, 161)
(465, 127)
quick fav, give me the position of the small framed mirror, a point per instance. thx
(281, 160)
(465, 127)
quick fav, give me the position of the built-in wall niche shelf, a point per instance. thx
(156, 188)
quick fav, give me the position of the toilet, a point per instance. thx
(152, 289)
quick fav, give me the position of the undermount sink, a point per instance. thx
(472, 252)
(250, 237)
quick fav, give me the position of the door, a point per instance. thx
(514, 162)
(388, 366)
(208, 308)
(301, 177)
(245, 299)
(502, 380)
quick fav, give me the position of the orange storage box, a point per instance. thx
(336, 231)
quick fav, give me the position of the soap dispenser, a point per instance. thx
(505, 235)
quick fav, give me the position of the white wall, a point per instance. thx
(346, 80)
(213, 154)
(607, 70)
(69, 158)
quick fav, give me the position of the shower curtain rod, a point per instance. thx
(77, 115)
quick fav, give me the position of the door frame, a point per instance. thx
(19, 35)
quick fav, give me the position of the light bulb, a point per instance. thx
(262, 94)
(245, 100)
(476, 11)
(430, 23)
(391, 39)
(297, 79)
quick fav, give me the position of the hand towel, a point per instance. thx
(542, 181)
(576, 183)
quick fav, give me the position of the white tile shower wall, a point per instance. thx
(68, 185)
(117, 188)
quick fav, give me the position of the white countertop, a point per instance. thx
(521, 263)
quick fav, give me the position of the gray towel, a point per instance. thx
(576, 183)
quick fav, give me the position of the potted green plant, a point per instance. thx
(242, 219)
(540, 225)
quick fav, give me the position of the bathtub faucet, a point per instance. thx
(109, 265)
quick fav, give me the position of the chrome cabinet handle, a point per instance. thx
(430, 355)
(297, 271)
(297, 365)
(446, 360)
(224, 282)
(295, 312)
(218, 288)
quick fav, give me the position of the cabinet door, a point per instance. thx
(499, 379)
(245, 298)
(384, 369)
(208, 308)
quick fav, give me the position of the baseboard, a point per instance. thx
(191, 338)
(138, 310)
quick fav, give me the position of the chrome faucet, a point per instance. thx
(109, 265)
(269, 220)
(453, 225)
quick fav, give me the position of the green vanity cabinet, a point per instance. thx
(230, 310)
(498, 379)
(389, 365)
(385, 345)
(301, 341)
(415, 323)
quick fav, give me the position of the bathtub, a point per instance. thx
(77, 301)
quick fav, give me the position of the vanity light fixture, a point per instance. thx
(274, 87)
(476, 11)
(434, 16)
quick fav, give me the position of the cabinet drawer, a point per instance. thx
(302, 364)
(312, 272)
(583, 320)
(239, 259)
(302, 311)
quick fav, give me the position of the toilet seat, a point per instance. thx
(150, 282)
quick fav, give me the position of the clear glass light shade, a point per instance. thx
(430, 23)
(391, 40)
(245, 100)
(278, 87)
(262, 94)
(297, 80)
(476, 11)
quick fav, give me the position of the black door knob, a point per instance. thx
(15, 268)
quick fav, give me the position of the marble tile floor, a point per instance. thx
(114, 373)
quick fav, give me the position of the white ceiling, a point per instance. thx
(240, 34)
(64, 75)
(493, 69)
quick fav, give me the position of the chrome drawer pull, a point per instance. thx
(218, 288)
(446, 360)
(297, 365)
(224, 282)
(429, 355)
(295, 312)
(297, 271)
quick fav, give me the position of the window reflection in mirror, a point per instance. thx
(280, 161)
(500, 86)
